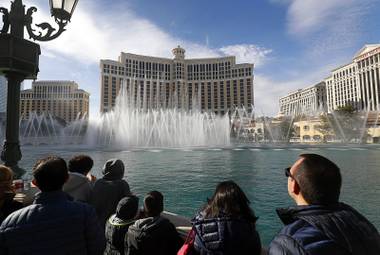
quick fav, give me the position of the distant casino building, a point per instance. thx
(61, 99)
(3, 94)
(212, 84)
(357, 83)
(304, 101)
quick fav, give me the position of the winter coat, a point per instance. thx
(225, 236)
(116, 230)
(78, 186)
(153, 235)
(108, 191)
(316, 229)
(52, 225)
(8, 207)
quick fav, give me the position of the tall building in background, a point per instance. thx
(304, 101)
(3, 94)
(62, 99)
(212, 84)
(356, 83)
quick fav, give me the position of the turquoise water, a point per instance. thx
(187, 177)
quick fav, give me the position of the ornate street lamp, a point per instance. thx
(19, 61)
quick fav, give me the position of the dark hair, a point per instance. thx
(153, 203)
(319, 179)
(81, 164)
(50, 173)
(229, 200)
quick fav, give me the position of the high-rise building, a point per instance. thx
(62, 99)
(304, 101)
(213, 84)
(357, 83)
(367, 61)
(3, 94)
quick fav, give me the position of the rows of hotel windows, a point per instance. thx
(149, 70)
(303, 101)
(209, 95)
(63, 92)
(67, 110)
(369, 61)
(370, 88)
(341, 74)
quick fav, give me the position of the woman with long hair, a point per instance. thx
(226, 225)
(7, 193)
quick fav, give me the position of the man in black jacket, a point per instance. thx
(53, 224)
(153, 234)
(319, 224)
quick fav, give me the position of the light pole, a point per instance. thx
(19, 61)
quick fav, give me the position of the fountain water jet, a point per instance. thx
(130, 124)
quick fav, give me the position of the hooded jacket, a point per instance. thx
(153, 235)
(78, 186)
(316, 229)
(225, 236)
(117, 225)
(108, 190)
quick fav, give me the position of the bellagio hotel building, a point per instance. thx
(61, 99)
(210, 84)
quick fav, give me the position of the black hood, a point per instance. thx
(340, 223)
(113, 169)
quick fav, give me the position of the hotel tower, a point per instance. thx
(210, 84)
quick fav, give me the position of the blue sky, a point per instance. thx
(293, 43)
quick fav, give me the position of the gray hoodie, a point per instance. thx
(78, 186)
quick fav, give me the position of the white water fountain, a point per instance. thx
(128, 125)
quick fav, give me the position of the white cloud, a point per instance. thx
(327, 25)
(247, 53)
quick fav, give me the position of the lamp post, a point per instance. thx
(19, 61)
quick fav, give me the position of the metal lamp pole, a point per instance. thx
(19, 61)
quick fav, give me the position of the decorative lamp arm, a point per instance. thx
(40, 35)
(6, 24)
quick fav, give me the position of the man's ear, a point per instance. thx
(296, 188)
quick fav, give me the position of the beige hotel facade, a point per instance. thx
(61, 99)
(210, 84)
(356, 83)
(307, 101)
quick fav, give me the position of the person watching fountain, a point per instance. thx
(153, 234)
(78, 185)
(109, 190)
(320, 224)
(117, 225)
(226, 225)
(7, 193)
(53, 224)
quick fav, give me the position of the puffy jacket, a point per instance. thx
(225, 236)
(156, 236)
(337, 229)
(116, 230)
(52, 225)
(78, 186)
(8, 207)
(108, 191)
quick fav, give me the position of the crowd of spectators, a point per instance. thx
(75, 213)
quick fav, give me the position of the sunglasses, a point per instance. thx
(288, 174)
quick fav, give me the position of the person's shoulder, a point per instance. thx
(285, 244)
(18, 216)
